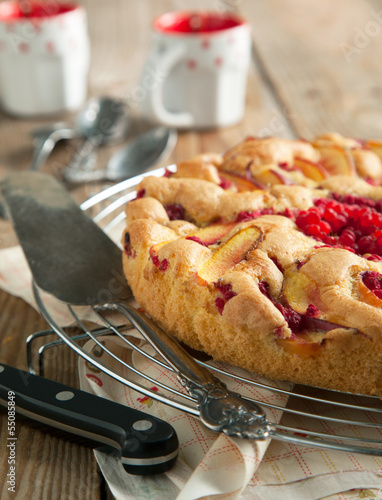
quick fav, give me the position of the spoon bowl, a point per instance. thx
(45, 139)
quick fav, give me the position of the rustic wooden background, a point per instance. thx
(317, 67)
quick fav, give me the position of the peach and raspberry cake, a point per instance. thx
(268, 257)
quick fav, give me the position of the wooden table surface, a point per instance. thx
(316, 67)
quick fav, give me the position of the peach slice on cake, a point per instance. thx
(212, 233)
(314, 171)
(375, 146)
(368, 296)
(337, 160)
(270, 175)
(296, 290)
(300, 345)
(230, 253)
(239, 181)
(370, 288)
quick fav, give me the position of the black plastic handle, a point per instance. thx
(146, 444)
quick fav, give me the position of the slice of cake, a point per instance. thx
(268, 257)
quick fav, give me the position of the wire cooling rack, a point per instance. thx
(312, 416)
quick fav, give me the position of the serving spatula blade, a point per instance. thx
(82, 266)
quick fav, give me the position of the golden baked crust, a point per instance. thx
(279, 273)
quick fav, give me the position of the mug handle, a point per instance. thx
(164, 66)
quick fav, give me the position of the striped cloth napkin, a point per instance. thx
(215, 466)
(212, 466)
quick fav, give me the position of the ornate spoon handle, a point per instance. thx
(220, 409)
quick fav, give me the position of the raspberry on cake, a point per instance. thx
(268, 257)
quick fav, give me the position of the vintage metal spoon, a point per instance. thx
(103, 121)
(45, 138)
(139, 155)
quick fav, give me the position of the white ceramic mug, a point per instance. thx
(44, 57)
(196, 72)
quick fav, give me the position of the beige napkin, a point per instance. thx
(208, 462)
(210, 465)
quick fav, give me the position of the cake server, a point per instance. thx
(73, 259)
(146, 444)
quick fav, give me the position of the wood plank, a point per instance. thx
(305, 49)
(47, 466)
